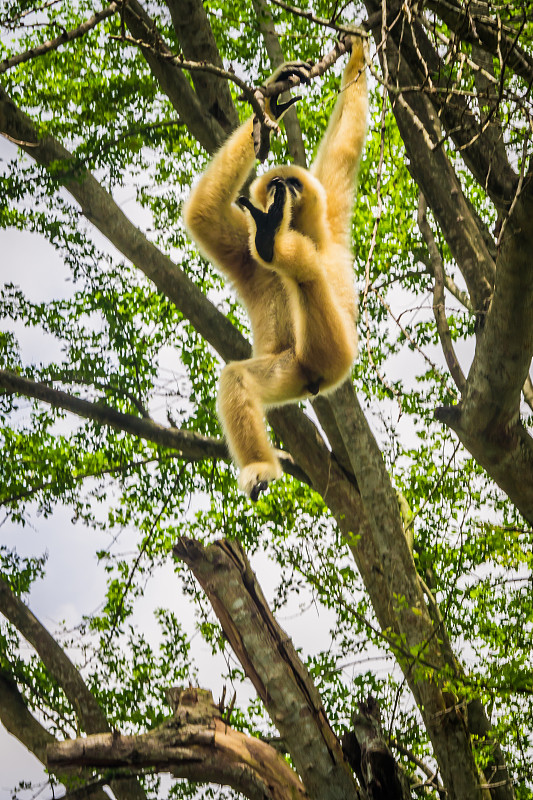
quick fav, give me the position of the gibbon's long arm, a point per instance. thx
(337, 161)
(211, 215)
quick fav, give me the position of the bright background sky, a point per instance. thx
(74, 583)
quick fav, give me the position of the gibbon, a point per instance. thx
(287, 251)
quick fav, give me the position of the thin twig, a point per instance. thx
(53, 44)
(351, 29)
(439, 309)
(377, 220)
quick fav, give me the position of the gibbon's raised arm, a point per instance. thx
(337, 161)
(211, 216)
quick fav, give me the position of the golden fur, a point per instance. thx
(302, 304)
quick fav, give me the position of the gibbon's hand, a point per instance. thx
(267, 223)
(301, 69)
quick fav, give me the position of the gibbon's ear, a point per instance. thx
(301, 69)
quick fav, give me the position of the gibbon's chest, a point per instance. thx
(267, 301)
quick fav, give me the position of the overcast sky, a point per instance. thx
(74, 583)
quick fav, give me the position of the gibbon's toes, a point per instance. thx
(254, 478)
(257, 489)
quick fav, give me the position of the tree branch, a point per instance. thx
(272, 664)
(439, 309)
(91, 717)
(195, 744)
(477, 140)
(487, 419)
(326, 23)
(64, 38)
(290, 120)
(18, 721)
(205, 128)
(413, 622)
(432, 170)
(190, 445)
(100, 209)
(195, 36)
(486, 32)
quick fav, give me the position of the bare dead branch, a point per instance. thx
(272, 664)
(195, 744)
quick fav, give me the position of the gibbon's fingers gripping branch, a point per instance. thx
(287, 250)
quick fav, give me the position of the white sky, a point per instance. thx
(74, 583)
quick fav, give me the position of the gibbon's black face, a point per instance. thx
(293, 184)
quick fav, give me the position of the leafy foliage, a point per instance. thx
(116, 340)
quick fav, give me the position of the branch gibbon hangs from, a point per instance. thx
(287, 250)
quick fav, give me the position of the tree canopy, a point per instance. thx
(404, 515)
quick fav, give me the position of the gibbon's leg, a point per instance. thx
(246, 387)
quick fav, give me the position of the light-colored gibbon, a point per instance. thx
(288, 253)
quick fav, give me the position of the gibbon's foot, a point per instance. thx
(268, 223)
(254, 478)
(256, 491)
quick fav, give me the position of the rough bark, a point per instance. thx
(379, 547)
(203, 125)
(446, 727)
(196, 744)
(272, 664)
(430, 167)
(487, 419)
(195, 36)
(17, 720)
